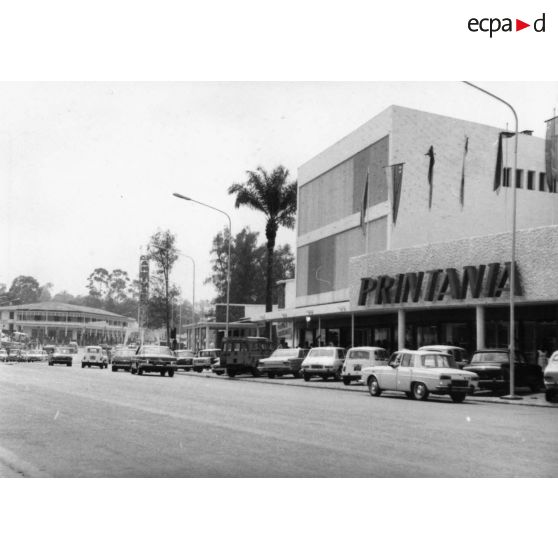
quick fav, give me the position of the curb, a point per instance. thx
(355, 388)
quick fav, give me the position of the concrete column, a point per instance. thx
(481, 336)
(207, 337)
(401, 329)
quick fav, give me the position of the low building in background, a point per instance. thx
(45, 323)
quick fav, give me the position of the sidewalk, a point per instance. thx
(528, 398)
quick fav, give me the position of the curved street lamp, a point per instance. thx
(513, 183)
(186, 198)
(193, 294)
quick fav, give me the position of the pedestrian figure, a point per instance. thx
(542, 358)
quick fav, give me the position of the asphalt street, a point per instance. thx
(73, 422)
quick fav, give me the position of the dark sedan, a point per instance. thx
(61, 355)
(153, 358)
(283, 361)
(493, 369)
(122, 359)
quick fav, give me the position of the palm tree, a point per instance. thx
(271, 194)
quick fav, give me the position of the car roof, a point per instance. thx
(439, 347)
(502, 350)
(93, 347)
(366, 348)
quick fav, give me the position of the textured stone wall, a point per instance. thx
(536, 257)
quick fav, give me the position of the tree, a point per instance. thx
(163, 252)
(118, 284)
(97, 282)
(248, 269)
(44, 295)
(24, 289)
(274, 196)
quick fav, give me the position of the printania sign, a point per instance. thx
(482, 281)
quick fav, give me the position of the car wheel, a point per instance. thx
(50, 363)
(139, 371)
(68, 364)
(306, 377)
(458, 397)
(374, 387)
(163, 372)
(297, 375)
(420, 391)
(325, 377)
(231, 374)
(347, 381)
(219, 372)
(337, 376)
(270, 376)
(132, 370)
(114, 369)
(256, 374)
(550, 396)
(170, 373)
(83, 365)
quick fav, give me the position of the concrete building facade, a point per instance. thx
(450, 214)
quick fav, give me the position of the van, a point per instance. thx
(360, 357)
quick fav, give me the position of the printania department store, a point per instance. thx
(404, 238)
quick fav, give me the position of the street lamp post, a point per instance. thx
(229, 256)
(193, 295)
(513, 184)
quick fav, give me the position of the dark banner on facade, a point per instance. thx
(394, 174)
(430, 155)
(500, 159)
(551, 154)
(462, 187)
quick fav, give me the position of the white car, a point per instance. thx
(361, 357)
(323, 362)
(206, 359)
(551, 378)
(458, 353)
(94, 356)
(420, 373)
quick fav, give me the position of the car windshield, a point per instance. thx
(209, 353)
(285, 353)
(93, 350)
(184, 354)
(437, 361)
(64, 351)
(123, 352)
(322, 353)
(490, 357)
(359, 354)
(156, 350)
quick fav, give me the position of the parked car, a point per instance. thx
(3, 355)
(206, 358)
(122, 359)
(493, 369)
(420, 373)
(153, 358)
(360, 357)
(458, 353)
(36, 355)
(94, 356)
(61, 355)
(551, 378)
(283, 361)
(49, 349)
(241, 355)
(184, 359)
(73, 347)
(324, 362)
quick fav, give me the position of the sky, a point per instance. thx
(87, 169)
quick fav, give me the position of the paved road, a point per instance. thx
(69, 422)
